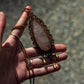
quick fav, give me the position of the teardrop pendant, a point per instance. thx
(41, 37)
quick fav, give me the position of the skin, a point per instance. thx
(12, 64)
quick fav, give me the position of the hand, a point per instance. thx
(12, 63)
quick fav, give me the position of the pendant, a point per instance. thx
(41, 37)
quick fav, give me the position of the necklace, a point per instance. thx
(41, 37)
(42, 40)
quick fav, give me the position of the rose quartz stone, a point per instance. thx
(41, 36)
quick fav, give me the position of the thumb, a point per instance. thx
(2, 25)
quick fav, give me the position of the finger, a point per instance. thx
(33, 52)
(43, 71)
(38, 62)
(22, 21)
(2, 25)
(18, 32)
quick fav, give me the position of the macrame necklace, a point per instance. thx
(42, 40)
(41, 37)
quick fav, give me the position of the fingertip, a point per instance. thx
(64, 46)
(60, 47)
(2, 20)
(25, 14)
(29, 7)
(2, 16)
(62, 56)
(2, 13)
(58, 67)
(66, 55)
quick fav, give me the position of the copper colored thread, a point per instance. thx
(27, 58)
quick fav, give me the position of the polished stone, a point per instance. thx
(41, 37)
